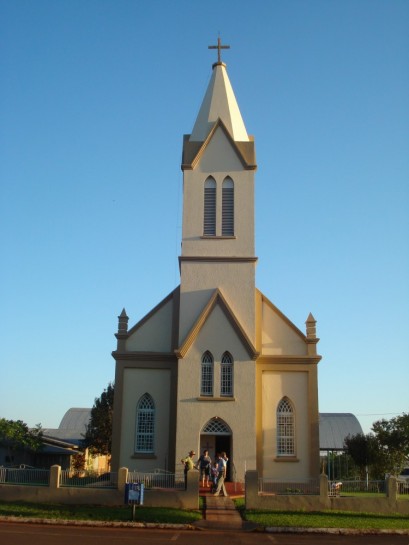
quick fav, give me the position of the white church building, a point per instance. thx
(215, 364)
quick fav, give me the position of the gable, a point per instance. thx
(219, 155)
(279, 336)
(217, 301)
(194, 151)
(154, 333)
(218, 335)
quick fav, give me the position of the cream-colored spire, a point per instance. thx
(219, 102)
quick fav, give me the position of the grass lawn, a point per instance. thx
(324, 519)
(98, 512)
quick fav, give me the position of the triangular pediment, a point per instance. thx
(194, 151)
(217, 300)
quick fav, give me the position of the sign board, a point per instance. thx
(134, 493)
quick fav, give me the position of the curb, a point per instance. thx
(333, 531)
(164, 526)
(97, 523)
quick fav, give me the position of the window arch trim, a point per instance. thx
(226, 375)
(285, 417)
(207, 372)
(209, 208)
(145, 425)
(228, 207)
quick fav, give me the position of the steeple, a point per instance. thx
(218, 253)
(219, 103)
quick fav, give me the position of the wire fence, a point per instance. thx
(25, 476)
(403, 488)
(158, 479)
(88, 479)
(356, 488)
(310, 487)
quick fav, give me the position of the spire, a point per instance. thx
(219, 103)
(123, 322)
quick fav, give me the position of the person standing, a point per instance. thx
(222, 471)
(204, 464)
(188, 463)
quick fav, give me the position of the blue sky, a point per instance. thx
(94, 99)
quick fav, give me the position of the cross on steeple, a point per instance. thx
(219, 47)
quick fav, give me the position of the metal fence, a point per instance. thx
(158, 479)
(403, 488)
(310, 487)
(356, 488)
(25, 476)
(88, 479)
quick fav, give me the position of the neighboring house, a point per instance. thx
(71, 433)
(59, 445)
(216, 364)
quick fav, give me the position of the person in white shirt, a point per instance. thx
(222, 470)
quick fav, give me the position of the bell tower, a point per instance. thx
(218, 165)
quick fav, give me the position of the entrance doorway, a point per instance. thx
(216, 437)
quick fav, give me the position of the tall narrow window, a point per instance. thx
(226, 375)
(206, 387)
(209, 219)
(145, 425)
(228, 207)
(285, 428)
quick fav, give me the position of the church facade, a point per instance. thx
(215, 364)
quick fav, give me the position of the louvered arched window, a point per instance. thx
(226, 375)
(285, 428)
(228, 207)
(145, 425)
(209, 217)
(206, 383)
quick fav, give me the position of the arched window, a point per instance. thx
(285, 428)
(209, 218)
(206, 385)
(216, 426)
(228, 207)
(226, 375)
(145, 425)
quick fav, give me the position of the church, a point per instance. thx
(216, 365)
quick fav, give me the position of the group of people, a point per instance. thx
(212, 474)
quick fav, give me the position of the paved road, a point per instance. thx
(35, 534)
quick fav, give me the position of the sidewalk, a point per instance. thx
(220, 513)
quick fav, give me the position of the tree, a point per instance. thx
(16, 436)
(386, 450)
(98, 437)
(365, 452)
(393, 438)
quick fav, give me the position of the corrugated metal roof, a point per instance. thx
(72, 427)
(335, 427)
(75, 419)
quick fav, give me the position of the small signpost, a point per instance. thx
(134, 493)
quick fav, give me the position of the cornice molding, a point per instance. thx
(144, 356)
(291, 360)
(215, 258)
